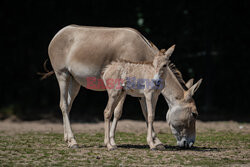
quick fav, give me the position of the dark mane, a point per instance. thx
(141, 62)
(178, 75)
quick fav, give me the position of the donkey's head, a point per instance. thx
(182, 115)
(160, 64)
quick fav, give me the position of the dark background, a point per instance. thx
(211, 37)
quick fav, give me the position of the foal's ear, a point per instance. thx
(194, 88)
(169, 52)
(190, 83)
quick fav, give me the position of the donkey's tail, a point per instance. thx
(47, 72)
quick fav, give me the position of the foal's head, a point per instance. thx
(160, 64)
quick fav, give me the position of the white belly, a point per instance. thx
(85, 75)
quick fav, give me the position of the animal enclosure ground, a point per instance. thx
(41, 144)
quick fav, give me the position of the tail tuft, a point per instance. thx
(47, 74)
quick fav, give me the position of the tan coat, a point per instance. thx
(153, 73)
(79, 52)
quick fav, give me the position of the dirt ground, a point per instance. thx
(129, 126)
(40, 143)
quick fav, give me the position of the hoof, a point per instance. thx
(112, 148)
(113, 145)
(153, 149)
(75, 146)
(160, 147)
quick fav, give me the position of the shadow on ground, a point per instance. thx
(169, 148)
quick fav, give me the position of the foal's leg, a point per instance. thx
(117, 116)
(118, 113)
(151, 114)
(114, 98)
(157, 142)
(65, 105)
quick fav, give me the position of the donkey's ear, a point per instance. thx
(194, 88)
(169, 52)
(190, 83)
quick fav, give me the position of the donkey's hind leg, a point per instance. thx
(117, 116)
(73, 90)
(67, 95)
(157, 141)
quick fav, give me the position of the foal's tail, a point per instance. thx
(47, 72)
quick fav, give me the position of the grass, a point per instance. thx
(49, 149)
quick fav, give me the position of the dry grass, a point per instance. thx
(228, 146)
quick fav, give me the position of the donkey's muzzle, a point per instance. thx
(185, 144)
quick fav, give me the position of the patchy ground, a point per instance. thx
(41, 144)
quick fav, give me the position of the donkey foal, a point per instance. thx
(138, 80)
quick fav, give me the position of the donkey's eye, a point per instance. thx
(165, 65)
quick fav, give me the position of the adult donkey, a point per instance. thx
(79, 52)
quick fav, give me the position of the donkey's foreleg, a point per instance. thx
(157, 142)
(117, 116)
(64, 81)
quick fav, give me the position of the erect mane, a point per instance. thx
(132, 62)
(125, 61)
(178, 75)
